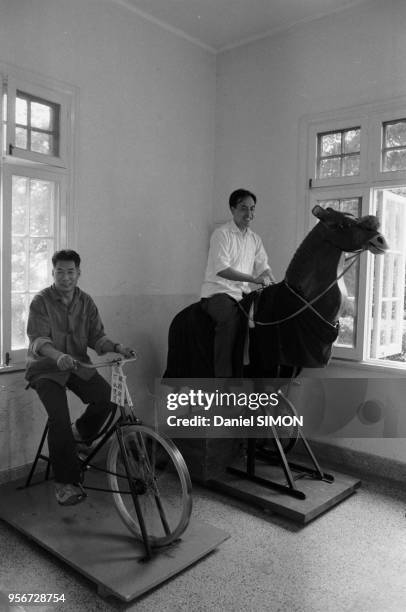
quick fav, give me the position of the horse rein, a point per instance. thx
(307, 304)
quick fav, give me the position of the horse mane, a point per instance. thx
(305, 248)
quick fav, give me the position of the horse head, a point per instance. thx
(351, 234)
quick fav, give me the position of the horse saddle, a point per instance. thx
(191, 342)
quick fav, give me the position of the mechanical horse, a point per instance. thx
(295, 321)
(293, 324)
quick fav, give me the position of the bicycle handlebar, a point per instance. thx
(102, 364)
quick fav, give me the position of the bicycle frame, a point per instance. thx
(127, 417)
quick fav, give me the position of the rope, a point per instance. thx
(307, 304)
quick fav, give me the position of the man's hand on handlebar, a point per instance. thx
(125, 351)
(66, 362)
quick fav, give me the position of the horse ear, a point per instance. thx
(318, 211)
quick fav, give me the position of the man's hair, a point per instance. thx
(239, 195)
(66, 255)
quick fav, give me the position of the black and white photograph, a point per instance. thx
(202, 305)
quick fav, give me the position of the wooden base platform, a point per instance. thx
(92, 539)
(320, 495)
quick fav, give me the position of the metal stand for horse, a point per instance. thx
(290, 488)
(254, 453)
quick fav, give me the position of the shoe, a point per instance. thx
(83, 448)
(69, 494)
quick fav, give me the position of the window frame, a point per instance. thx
(370, 118)
(348, 192)
(336, 125)
(46, 94)
(59, 169)
(60, 233)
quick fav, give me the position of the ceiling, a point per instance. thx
(221, 24)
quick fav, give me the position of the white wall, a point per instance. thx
(144, 173)
(349, 58)
(148, 123)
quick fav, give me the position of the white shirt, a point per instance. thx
(232, 248)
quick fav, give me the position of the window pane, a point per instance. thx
(21, 138)
(330, 144)
(329, 167)
(37, 128)
(348, 315)
(19, 215)
(395, 134)
(19, 315)
(41, 116)
(351, 165)
(21, 111)
(33, 243)
(388, 322)
(390, 274)
(40, 263)
(18, 264)
(41, 143)
(352, 141)
(42, 199)
(394, 160)
(338, 153)
(351, 206)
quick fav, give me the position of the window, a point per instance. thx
(36, 125)
(394, 146)
(338, 153)
(356, 162)
(36, 180)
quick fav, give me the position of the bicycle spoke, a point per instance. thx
(160, 479)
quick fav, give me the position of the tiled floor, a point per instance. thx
(353, 558)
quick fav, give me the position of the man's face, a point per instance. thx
(66, 276)
(243, 213)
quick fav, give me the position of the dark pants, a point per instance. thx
(229, 334)
(62, 450)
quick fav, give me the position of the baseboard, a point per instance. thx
(18, 472)
(354, 462)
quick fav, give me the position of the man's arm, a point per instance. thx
(98, 339)
(63, 361)
(109, 346)
(40, 335)
(220, 253)
(262, 266)
(235, 275)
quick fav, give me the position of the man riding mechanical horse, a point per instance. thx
(236, 259)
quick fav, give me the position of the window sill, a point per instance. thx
(11, 369)
(378, 368)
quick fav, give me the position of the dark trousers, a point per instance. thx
(62, 449)
(229, 334)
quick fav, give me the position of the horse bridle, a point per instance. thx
(307, 304)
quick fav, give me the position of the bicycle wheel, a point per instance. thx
(288, 434)
(161, 480)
